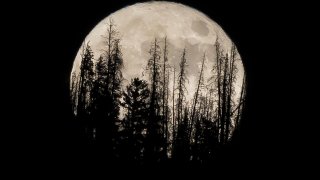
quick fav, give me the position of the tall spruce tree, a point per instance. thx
(84, 102)
(154, 130)
(136, 102)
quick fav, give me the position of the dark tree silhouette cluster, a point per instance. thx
(158, 124)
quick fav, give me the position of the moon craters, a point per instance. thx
(200, 28)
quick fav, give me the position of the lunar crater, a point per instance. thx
(200, 28)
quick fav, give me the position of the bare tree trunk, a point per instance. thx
(164, 123)
(240, 102)
(166, 114)
(229, 96)
(224, 101)
(209, 106)
(109, 46)
(181, 86)
(153, 144)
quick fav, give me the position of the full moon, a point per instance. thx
(184, 27)
(159, 70)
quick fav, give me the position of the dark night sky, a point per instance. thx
(258, 29)
(247, 27)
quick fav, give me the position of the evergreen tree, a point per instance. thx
(225, 78)
(181, 140)
(136, 102)
(106, 93)
(154, 136)
(195, 102)
(85, 85)
(165, 98)
(181, 86)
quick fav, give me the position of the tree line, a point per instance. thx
(158, 124)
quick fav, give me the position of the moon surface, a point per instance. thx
(184, 27)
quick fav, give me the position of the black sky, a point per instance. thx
(56, 30)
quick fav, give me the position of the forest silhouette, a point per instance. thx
(158, 125)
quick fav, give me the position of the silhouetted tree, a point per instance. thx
(241, 102)
(85, 85)
(165, 97)
(208, 142)
(74, 91)
(200, 83)
(107, 92)
(225, 78)
(99, 96)
(182, 119)
(182, 78)
(134, 126)
(173, 112)
(230, 90)
(181, 147)
(136, 102)
(116, 78)
(154, 137)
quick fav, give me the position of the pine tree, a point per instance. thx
(181, 147)
(106, 92)
(225, 78)
(181, 140)
(200, 84)
(116, 78)
(136, 102)
(181, 86)
(99, 97)
(85, 85)
(165, 97)
(154, 137)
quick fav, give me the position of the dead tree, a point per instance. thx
(196, 95)
(181, 86)
(154, 136)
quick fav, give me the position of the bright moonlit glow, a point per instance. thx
(184, 27)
